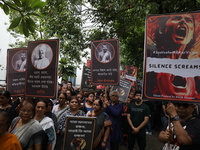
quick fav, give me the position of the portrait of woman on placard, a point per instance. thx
(172, 37)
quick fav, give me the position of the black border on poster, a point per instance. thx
(145, 89)
(36, 43)
(126, 90)
(67, 141)
(9, 87)
(84, 78)
(95, 61)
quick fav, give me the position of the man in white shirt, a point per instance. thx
(42, 62)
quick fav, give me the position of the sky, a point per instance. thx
(6, 39)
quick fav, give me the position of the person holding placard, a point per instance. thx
(184, 130)
(103, 126)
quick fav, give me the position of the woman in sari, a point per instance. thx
(60, 108)
(73, 111)
(28, 131)
(8, 141)
(102, 128)
(46, 123)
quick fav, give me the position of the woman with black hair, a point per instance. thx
(46, 122)
(6, 106)
(72, 111)
(87, 106)
(103, 126)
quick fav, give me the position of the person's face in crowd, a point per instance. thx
(64, 88)
(181, 28)
(131, 95)
(68, 93)
(105, 48)
(114, 97)
(59, 88)
(96, 106)
(62, 99)
(23, 56)
(128, 101)
(41, 53)
(69, 85)
(40, 108)
(3, 125)
(49, 108)
(91, 98)
(26, 112)
(85, 93)
(184, 110)
(3, 100)
(80, 97)
(138, 97)
(104, 97)
(73, 104)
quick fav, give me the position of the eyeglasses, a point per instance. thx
(182, 104)
(24, 110)
(114, 95)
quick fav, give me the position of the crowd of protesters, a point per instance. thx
(39, 123)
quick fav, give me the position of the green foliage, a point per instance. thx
(23, 11)
(120, 19)
(60, 19)
(65, 70)
(127, 20)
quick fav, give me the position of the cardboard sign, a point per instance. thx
(86, 83)
(42, 62)
(105, 68)
(123, 89)
(172, 57)
(16, 70)
(79, 133)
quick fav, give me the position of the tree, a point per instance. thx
(24, 11)
(60, 19)
(127, 20)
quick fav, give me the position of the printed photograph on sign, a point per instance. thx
(79, 133)
(172, 57)
(131, 74)
(105, 66)
(78, 143)
(16, 71)
(105, 52)
(42, 56)
(42, 68)
(19, 61)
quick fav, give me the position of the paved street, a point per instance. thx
(152, 143)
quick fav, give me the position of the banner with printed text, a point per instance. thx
(16, 70)
(172, 57)
(131, 74)
(79, 133)
(86, 84)
(105, 62)
(42, 64)
(123, 89)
